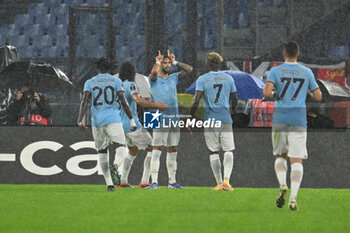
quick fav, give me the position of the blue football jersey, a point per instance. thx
(129, 90)
(291, 81)
(216, 88)
(165, 90)
(105, 105)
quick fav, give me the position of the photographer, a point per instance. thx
(29, 108)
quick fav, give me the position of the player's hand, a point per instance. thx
(189, 128)
(19, 95)
(161, 106)
(36, 96)
(82, 125)
(160, 57)
(171, 56)
(133, 125)
(232, 111)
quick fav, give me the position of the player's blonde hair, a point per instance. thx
(214, 60)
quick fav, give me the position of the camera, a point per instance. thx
(28, 95)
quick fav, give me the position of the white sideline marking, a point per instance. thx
(7, 157)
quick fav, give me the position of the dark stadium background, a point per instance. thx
(49, 176)
(71, 34)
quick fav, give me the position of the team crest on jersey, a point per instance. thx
(132, 87)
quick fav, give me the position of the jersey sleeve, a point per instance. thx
(118, 85)
(87, 86)
(233, 85)
(312, 81)
(133, 89)
(175, 76)
(199, 84)
(271, 77)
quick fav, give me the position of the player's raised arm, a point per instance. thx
(145, 103)
(83, 108)
(156, 68)
(186, 69)
(127, 110)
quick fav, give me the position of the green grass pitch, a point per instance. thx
(90, 208)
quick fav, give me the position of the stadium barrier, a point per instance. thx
(65, 155)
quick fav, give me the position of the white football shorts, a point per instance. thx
(105, 135)
(219, 138)
(140, 138)
(289, 139)
(167, 137)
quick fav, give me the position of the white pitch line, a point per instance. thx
(7, 157)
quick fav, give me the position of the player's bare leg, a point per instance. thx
(146, 169)
(155, 161)
(215, 164)
(104, 165)
(171, 165)
(126, 166)
(296, 175)
(281, 169)
(228, 166)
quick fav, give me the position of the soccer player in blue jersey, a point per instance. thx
(163, 87)
(219, 95)
(292, 82)
(106, 95)
(140, 139)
